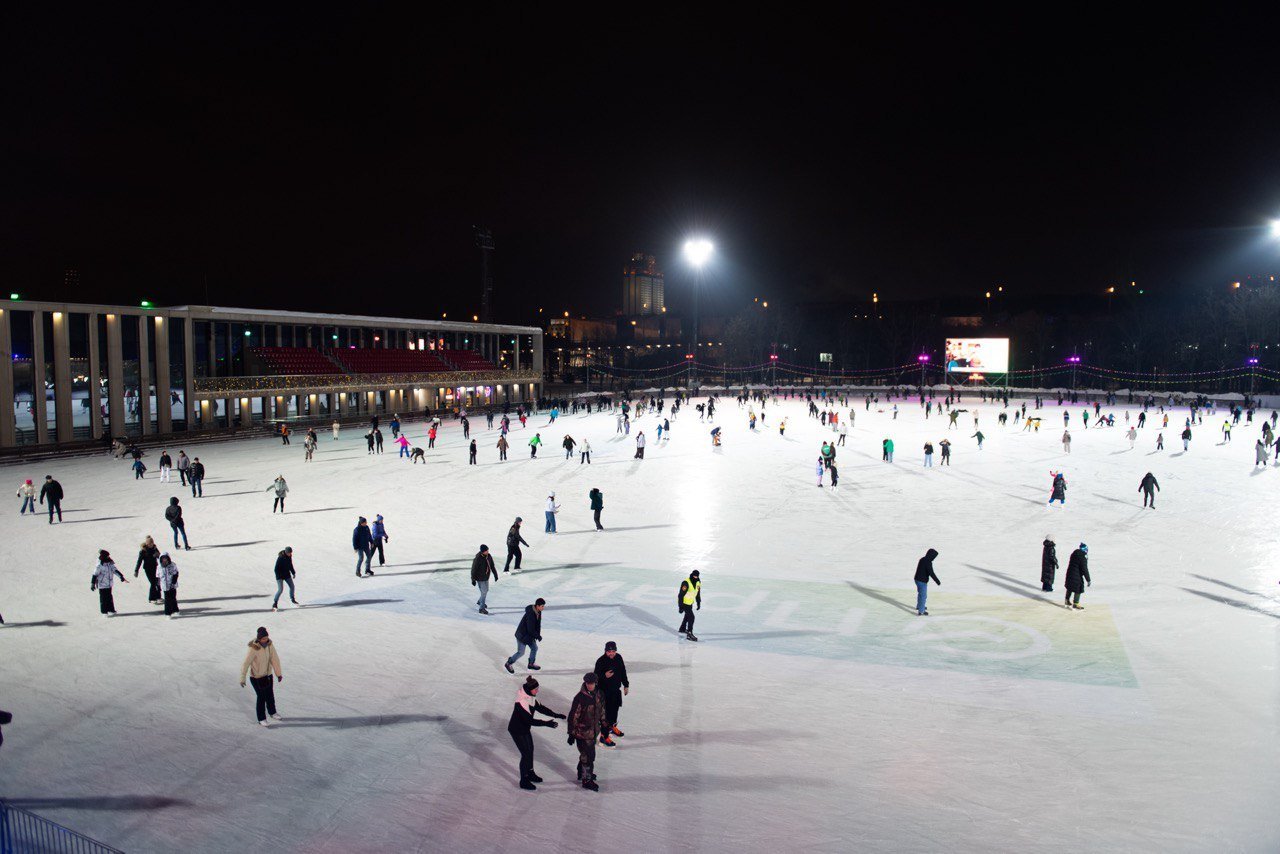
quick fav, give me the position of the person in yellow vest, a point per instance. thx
(690, 595)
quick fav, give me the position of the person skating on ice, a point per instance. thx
(597, 505)
(519, 728)
(586, 718)
(528, 634)
(149, 560)
(552, 509)
(281, 489)
(102, 580)
(259, 663)
(1150, 486)
(611, 673)
(362, 543)
(1059, 490)
(481, 568)
(1066, 441)
(285, 574)
(1077, 576)
(1048, 564)
(584, 453)
(514, 541)
(52, 490)
(819, 468)
(169, 585)
(687, 597)
(924, 572)
(380, 536)
(27, 492)
(173, 515)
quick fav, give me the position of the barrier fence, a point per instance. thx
(22, 832)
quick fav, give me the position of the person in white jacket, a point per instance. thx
(336, 428)
(169, 585)
(584, 453)
(640, 445)
(27, 492)
(104, 576)
(552, 509)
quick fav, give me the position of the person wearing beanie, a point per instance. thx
(53, 491)
(481, 568)
(284, 575)
(689, 594)
(1048, 564)
(519, 727)
(27, 492)
(514, 541)
(103, 578)
(611, 675)
(169, 585)
(528, 633)
(586, 717)
(258, 664)
(1077, 576)
(362, 543)
(380, 536)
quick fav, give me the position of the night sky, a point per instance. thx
(339, 163)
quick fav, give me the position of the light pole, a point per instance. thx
(1253, 366)
(697, 251)
(923, 359)
(1073, 361)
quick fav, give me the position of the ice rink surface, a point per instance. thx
(816, 713)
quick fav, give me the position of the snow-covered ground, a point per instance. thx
(817, 712)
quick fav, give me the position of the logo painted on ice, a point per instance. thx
(1019, 641)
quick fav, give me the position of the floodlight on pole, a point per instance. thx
(1275, 228)
(697, 251)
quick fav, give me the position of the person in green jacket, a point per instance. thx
(597, 504)
(888, 450)
(979, 437)
(533, 445)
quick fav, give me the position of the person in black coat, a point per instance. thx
(284, 575)
(1150, 486)
(362, 543)
(481, 569)
(52, 490)
(195, 477)
(149, 559)
(1077, 576)
(520, 725)
(528, 633)
(924, 571)
(611, 672)
(514, 540)
(1048, 564)
(173, 515)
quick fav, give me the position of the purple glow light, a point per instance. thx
(923, 357)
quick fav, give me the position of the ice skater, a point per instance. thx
(149, 560)
(27, 492)
(1150, 486)
(945, 445)
(1066, 441)
(584, 453)
(586, 719)
(169, 585)
(924, 571)
(380, 536)
(1048, 564)
(687, 597)
(362, 543)
(472, 451)
(173, 515)
(1077, 576)
(1059, 489)
(53, 491)
(597, 505)
(284, 575)
(336, 427)
(528, 633)
(819, 468)
(533, 445)
(481, 568)
(166, 467)
(514, 541)
(103, 578)
(281, 489)
(259, 663)
(519, 727)
(552, 509)
(611, 673)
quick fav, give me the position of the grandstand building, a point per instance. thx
(77, 373)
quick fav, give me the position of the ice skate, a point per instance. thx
(527, 785)
(691, 636)
(274, 716)
(264, 723)
(590, 784)
(510, 669)
(534, 778)
(608, 742)
(619, 733)
(533, 666)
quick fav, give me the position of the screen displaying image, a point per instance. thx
(970, 355)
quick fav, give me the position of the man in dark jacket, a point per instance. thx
(284, 575)
(611, 673)
(1149, 487)
(481, 568)
(585, 719)
(362, 542)
(514, 541)
(53, 491)
(924, 571)
(195, 476)
(1048, 564)
(597, 504)
(1077, 576)
(528, 633)
(173, 514)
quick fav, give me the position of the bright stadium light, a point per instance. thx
(1275, 228)
(697, 251)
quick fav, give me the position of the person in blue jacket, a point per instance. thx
(528, 633)
(379, 537)
(362, 542)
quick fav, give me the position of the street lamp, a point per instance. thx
(923, 359)
(697, 251)
(1073, 361)
(1275, 228)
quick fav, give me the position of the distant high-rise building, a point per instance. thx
(643, 290)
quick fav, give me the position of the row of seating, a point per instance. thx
(467, 360)
(376, 361)
(291, 360)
